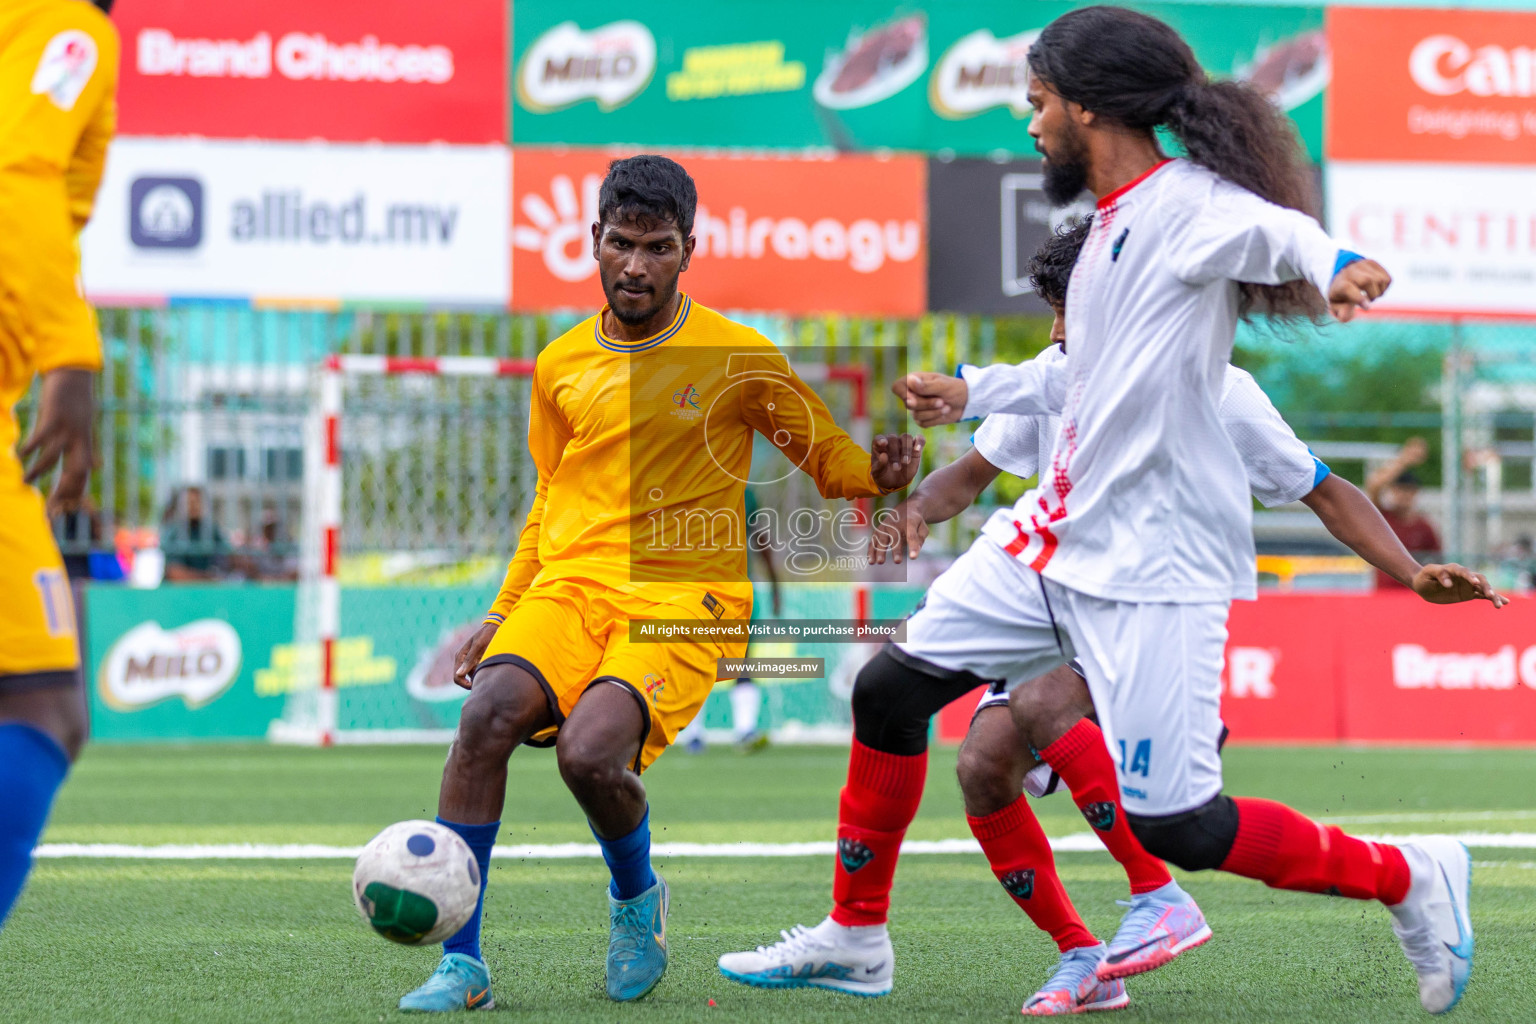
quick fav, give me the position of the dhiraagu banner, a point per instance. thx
(861, 74)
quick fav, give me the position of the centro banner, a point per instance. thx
(1458, 238)
(287, 69)
(307, 221)
(1440, 85)
(784, 234)
(857, 75)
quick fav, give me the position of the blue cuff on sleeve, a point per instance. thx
(1345, 259)
(1320, 472)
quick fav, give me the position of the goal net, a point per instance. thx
(417, 481)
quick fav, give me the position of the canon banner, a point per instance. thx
(287, 69)
(1433, 85)
(1458, 239)
(784, 234)
(857, 75)
(188, 218)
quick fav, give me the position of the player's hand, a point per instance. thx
(1356, 287)
(893, 460)
(933, 398)
(1452, 584)
(62, 430)
(469, 655)
(904, 531)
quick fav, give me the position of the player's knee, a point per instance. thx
(1044, 709)
(986, 780)
(889, 712)
(587, 767)
(496, 717)
(1197, 840)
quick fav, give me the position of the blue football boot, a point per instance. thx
(637, 942)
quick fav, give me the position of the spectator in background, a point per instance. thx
(273, 558)
(195, 548)
(1395, 490)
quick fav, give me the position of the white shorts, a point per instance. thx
(1154, 670)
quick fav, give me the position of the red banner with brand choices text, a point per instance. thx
(1434, 86)
(394, 70)
(783, 233)
(1383, 668)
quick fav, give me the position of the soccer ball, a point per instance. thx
(416, 883)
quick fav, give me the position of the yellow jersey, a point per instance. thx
(643, 450)
(58, 79)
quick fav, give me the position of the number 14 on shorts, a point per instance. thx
(1140, 758)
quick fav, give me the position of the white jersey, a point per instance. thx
(1146, 499)
(1280, 468)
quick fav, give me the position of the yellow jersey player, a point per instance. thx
(58, 74)
(641, 428)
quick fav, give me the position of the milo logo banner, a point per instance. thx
(863, 74)
(218, 661)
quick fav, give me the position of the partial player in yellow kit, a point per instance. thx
(641, 427)
(58, 75)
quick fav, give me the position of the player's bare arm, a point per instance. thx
(1354, 520)
(469, 654)
(61, 436)
(942, 495)
(1356, 287)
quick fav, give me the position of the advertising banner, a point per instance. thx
(862, 74)
(1440, 85)
(286, 69)
(985, 221)
(1457, 239)
(304, 221)
(181, 662)
(787, 233)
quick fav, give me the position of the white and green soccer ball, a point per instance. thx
(416, 883)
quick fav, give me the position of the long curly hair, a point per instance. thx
(1137, 72)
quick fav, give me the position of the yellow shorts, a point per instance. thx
(37, 614)
(570, 634)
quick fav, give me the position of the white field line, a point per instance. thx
(1079, 842)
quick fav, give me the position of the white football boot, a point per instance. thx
(857, 960)
(1433, 924)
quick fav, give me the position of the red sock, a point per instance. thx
(1020, 857)
(878, 803)
(1287, 850)
(1084, 764)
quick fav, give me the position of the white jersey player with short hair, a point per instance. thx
(1280, 468)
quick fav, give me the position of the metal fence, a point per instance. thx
(203, 418)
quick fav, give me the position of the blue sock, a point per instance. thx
(629, 860)
(480, 839)
(32, 767)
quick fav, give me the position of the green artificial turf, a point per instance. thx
(253, 941)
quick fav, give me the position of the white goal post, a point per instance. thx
(314, 715)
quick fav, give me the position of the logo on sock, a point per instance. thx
(1100, 815)
(853, 854)
(1020, 884)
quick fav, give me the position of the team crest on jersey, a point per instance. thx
(853, 854)
(685, 402)
(1020, 884)
(653, 684)
(1100, 815)
(68, 61)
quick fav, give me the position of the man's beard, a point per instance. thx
(1066, 172)
(633, 317)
